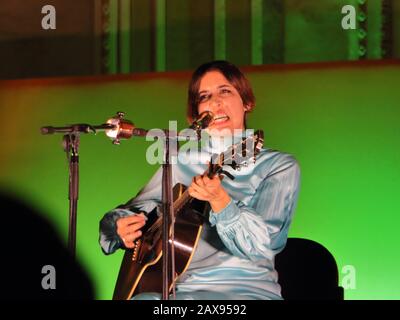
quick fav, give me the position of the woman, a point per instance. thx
(249, 216)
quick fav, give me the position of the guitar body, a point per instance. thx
(141, 268)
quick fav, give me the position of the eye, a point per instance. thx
(203, 97)
(225, 91)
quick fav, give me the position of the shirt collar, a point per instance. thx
(218, 144)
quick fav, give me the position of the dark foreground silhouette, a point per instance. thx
(29, 243)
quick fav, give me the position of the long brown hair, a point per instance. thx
(231, 73)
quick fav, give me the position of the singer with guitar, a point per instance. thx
(247, 218)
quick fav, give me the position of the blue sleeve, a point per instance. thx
(260, 230)
(109, 239)
(145, 201)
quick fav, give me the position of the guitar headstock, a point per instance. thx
(238, 155)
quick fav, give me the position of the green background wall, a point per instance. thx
(341, 122)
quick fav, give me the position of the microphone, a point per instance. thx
(203, 121)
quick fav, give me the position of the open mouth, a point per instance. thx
(220, 118)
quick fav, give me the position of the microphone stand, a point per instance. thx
(125, 129)
(167, 216)
(70, 143)
(71, 146)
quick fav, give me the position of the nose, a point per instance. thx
(215, 102)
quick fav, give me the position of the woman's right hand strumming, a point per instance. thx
(128, 228)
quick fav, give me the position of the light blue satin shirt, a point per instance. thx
(236, 252)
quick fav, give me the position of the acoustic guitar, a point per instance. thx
(141, 267)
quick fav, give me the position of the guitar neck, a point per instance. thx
(182, 201)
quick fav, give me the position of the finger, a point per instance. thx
(208, 187)
(132, 228)
(124, 221)
(214, 183)
(139, 219)
(134, 236)
(198, 180)
(142, 214)
(201, 181)
(130, 238)
(201, 191)
(128, 244)
(197, 195)
(126, 229)
(205, 179)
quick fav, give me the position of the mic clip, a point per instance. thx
(203, 121)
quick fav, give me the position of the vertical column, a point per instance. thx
(142, 40)
(108, 29)
(238, 31)
(353, 36)
(273, 33)
(200, 32)
(98, 36)
(395, 29)
(178, 33)
(160, 25)
(357, 39)
(124, 36)
(362, 17)
(219, 30)
(112, 37)
(256, 32)
(374, 25)
(387, 29)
